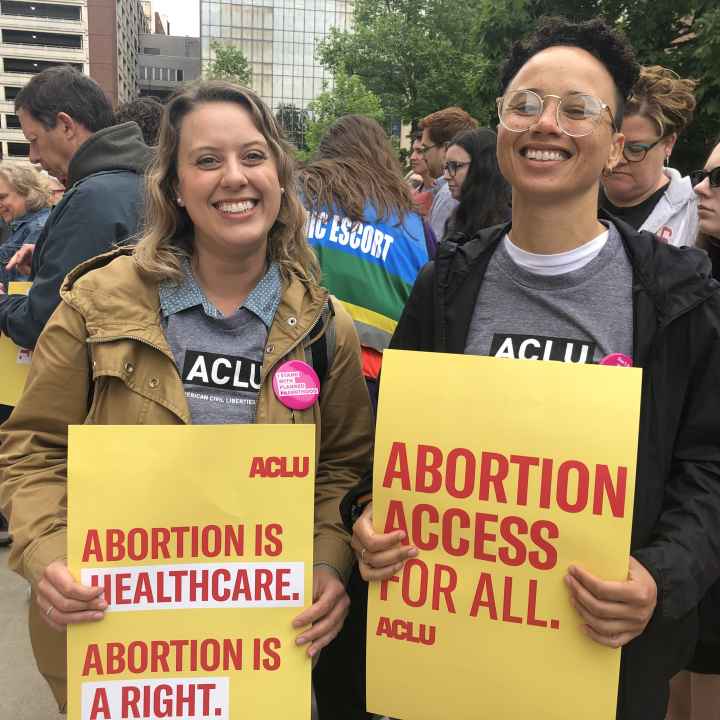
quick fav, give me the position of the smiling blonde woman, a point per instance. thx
(223, 269)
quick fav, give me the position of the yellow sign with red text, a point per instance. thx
(202, 538)
(502, 473)
(14, 360)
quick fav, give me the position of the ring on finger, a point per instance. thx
(362, 555)
(48, 612)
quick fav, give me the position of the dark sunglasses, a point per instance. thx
(697, 176)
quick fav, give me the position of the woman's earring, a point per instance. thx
(607, 171)
(282, 190)
(667, 161)
(180, 202)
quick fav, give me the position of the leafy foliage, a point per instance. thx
(418, 56)
(229, 63)
(348, 96)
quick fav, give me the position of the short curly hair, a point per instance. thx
(664, 98)
(146, 112)
(595, 36)
(31, 185)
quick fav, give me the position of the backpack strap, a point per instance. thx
(319, 346)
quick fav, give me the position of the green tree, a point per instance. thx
(410, 53)
(294, 121)
(418, 56)
(229, 63)
(349, 95)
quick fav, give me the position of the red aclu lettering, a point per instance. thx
(275, 467)
(405, 630)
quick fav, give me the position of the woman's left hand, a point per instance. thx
(614, 613)
(327, 613)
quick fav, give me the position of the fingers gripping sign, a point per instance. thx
(379, 555)
(327, 613)
(614, 613)
(63, 601)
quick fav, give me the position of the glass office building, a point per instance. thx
(278, 38)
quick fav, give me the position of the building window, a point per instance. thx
(40, 10)
(151, 51)
(11, 92)
(180, 76)
(12, 122)
(32, 67)
(18, 149)
(23, 37)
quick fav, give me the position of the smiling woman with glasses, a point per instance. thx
(566, 283)
(643, 190)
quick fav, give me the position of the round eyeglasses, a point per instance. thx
(697, 176)
(576, 114)
(636, 151)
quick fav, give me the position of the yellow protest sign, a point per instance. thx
(202, 537)
(502, 473)
(14, 360)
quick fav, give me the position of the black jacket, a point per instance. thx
(676, 522)
(101, 207)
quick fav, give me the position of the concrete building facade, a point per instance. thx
(278, 38)
(114, 28)
(165, 62)
(33, 37)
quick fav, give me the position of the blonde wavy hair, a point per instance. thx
(32, 186)
(663, 97)
(167, 234)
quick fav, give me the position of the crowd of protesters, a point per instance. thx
(153, 229)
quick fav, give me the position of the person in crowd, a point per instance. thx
(438, 129)
(369, 240)
(695, 695)
(643, 190)
(222, 267)
(57, 190)
(25, 206)
(21, 261)
(563, 270)
(475, 182)
(422, 193)
(371, 244)
(68, 121)
(146, 112)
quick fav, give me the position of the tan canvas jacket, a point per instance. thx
(104, 346)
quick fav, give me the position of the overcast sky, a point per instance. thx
(184, 15)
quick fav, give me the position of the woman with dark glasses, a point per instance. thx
(696, 694)
(642, 190)
(474, 180)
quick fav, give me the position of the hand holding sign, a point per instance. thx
(380, 555)
(64, 601)
(614, 612)
(327, 613)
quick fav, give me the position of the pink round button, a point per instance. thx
(296, 385)
(617, 359)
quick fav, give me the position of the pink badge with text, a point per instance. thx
(296, 385)
(617, 359)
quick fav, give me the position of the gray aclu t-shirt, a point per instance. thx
(219, 360)
(580, 316)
